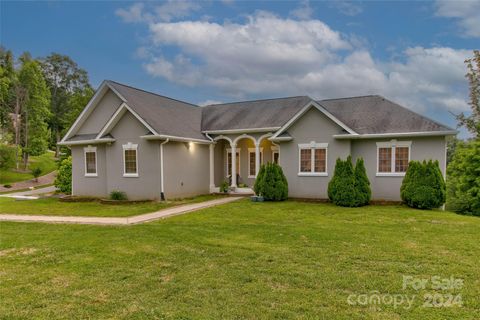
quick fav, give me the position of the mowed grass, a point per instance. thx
(241, 260)
(54, 207)
(46, 162)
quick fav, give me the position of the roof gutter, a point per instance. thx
(398, 134)
(90, 141)
(248, 130)
(174, 138)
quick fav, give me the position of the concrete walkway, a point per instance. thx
(165, 213)
(49, 189)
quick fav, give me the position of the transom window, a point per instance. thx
(251, 161)
(90, 161)
(130, 160)
(229, 161)
(393, 157)
(313, 159)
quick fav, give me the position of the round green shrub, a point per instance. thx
(423, 186)
(63, 181)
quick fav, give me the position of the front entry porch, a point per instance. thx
(236, 160)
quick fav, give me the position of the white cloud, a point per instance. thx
(348, 8)
(209, 102)
(304, 12)
(467, 13)
(167, 11)
(135, 13)
(272, 56)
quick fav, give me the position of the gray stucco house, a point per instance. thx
(151, 146)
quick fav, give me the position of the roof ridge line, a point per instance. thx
(257, 100)
(352, 97)
(155, 94)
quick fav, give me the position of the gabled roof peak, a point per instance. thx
(149, 92)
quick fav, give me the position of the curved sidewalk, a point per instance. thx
(165, 213)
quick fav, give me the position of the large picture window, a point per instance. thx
(90, 161)
(130, 160)
(393, 158)
(312, 159)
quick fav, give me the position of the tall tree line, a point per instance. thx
(39, 100)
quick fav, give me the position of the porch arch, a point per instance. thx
(244, 136)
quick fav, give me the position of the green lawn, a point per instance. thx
(241, 260)
(46, 162)
(54, 207)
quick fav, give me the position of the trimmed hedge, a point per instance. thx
(423, 186)
(349, 187)
(271, 183)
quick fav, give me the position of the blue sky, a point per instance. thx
(219, 51)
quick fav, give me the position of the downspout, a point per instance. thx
(162, 188)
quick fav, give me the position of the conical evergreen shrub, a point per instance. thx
(343, 185)
(258, 186)
(362, 184)
(271, 183)
(333, 184)
(423, 186)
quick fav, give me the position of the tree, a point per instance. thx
(463, 183)
(472, 122)
(7, 83)
(423, 186)
(362, 184)
(65, 79)
(63, 181)
(35, 113)
(7, 157)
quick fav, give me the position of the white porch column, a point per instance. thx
(234, 166)
(257, 158)
(212, 167)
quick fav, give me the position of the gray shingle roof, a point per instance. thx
(252, 114)
(365, 115)
(165, 115)
(375, 114)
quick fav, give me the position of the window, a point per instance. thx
(275, 154)
(130, 160)
(229, 161)
(313, 159)
(384, 159)
(251, 161)
(393, 158)
(90, 161)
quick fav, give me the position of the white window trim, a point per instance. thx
(90, 149)
(312, 146)
(393, 144)
(130, 146)
(275, 149)
(229, 150)
(252, 150)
